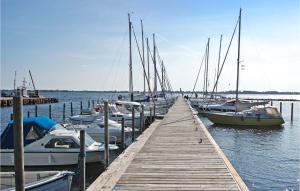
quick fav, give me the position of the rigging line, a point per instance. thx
(218, 76)
(157, 74)
(160, 60)
(115, 58)
(143, 64)
(198, 73)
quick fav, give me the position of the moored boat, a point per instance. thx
(256, 116)
(47, 143)
(38, 180)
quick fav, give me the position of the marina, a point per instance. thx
(145, 95)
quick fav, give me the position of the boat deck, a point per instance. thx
(176, 153)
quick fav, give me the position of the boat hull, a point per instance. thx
(219, 118)
(38, 181)
(49, 158)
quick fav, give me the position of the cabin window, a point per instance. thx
(62, 143)
(34, 133)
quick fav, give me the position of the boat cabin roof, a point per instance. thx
(130, 103)
(269, 110)
(33, 128)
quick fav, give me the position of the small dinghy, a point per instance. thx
(39, 180)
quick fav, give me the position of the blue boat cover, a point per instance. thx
(34, 128)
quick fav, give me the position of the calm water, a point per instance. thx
(266, 159)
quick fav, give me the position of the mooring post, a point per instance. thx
(292, 111)
(132, 125)
(28, 114)
(123, 134)
(64, 111)
(82, 160)
(80, 107)
(18, 142)
(142, 128)
(280, 107)
(106, 134)
(71, 109)
(271, 103)
(154, 113)
(150, 120)
(50, 112)
(35, 110)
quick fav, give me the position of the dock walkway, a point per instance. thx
(176, 153)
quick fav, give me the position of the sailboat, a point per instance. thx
(256, 116)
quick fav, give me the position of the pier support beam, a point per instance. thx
(132, 125)
(82, 160)
(106, 135)
(18, 142)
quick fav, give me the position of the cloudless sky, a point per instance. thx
(83, 45)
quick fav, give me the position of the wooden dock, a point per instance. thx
(8, 101)
(176, 153)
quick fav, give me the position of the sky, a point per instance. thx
(83, 45)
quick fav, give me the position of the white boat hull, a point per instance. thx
(39, 181)
(49, 158)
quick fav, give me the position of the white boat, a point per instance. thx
(230, 105)
(38, 180)
(87, 116)
(47, 143)
(96, 130)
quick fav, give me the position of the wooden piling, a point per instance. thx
(64, 111)
(292, 111)
(18, 142)
(271, 103)
(50, 112)
(106, 135)
(280, 107)
(123, 134)
(132, 125)
(35, 110)
(82, 160)
(154, 113)
(150, 120)
(71, 109)
(80, 107)
(142, 118)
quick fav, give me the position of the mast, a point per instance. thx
(148, 62)
(238, 62)
(219, 62)
(154, 63)
(143, 55)
(130, 62)
(207, 58)
(162, 76)
(205, 85)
